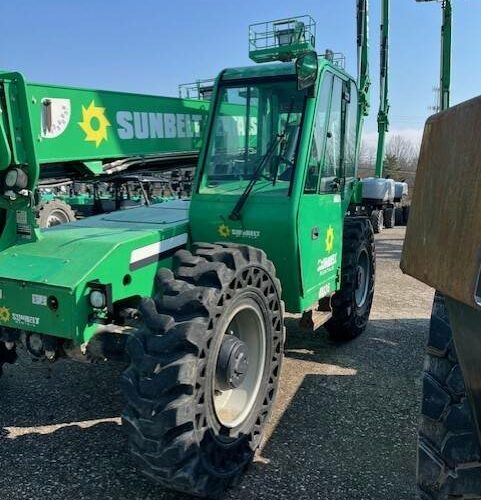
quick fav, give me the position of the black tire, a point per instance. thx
(377, 221)
(398, 216)
(449, 455)
(406, 211)
(171, 420)
(6, 356)
(350, 314)
(389, 217)
(53, 213)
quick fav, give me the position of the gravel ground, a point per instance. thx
(344, 426)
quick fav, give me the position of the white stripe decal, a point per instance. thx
(157, 248)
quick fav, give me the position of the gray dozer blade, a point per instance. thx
(443, 238)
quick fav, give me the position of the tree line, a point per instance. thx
(400, 161)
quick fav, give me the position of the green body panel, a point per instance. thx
(320, 256)
(67, 257)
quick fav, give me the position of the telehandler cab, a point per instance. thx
(200, 289)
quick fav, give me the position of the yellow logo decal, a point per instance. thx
(224, 230)
(330, 239)
(94, 123)
(4, 314)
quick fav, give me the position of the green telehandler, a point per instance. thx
(196, 292)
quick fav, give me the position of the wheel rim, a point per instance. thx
(232, 404)
(363, 272)
(57, 217)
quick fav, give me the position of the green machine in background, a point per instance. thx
(198, 290)
(71, 134)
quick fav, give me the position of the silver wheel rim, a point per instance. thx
(362, 278)
(57, 217)
(232, 406)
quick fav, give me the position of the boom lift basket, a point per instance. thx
(282, 40)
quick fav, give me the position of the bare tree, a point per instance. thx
(401, 158)
(367, 157)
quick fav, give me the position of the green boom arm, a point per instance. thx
(83, 125)
(364, 81)
(51, 131)
(383, 114)
(446, 40)
(446, 31)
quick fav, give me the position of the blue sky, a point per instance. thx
(153, 45)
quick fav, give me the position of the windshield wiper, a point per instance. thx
(283, 146)
(236, 211)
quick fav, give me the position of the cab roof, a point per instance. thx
(271, 70)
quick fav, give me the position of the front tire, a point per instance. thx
(449, 455)
(196, 410)
(351, 305)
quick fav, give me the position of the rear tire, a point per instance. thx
(406, 211)
(187, 426)
(351, 305)
(377, 221)
(449, 454)
(53, 213)
(389, 220)
(6, 356)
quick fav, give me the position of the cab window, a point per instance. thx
(332, 157)
(319, 135)
(350, 140)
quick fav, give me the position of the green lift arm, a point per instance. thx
(364, 82)
(446, 42)
(446, 38)
(383, 114)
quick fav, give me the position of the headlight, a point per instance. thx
(97, 299)
(16, 178)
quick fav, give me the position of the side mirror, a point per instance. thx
(306, 70)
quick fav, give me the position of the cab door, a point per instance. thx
(320, 215)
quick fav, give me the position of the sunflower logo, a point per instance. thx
(4, 314)
(224, 230)
(330, 239)
(94, 123)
